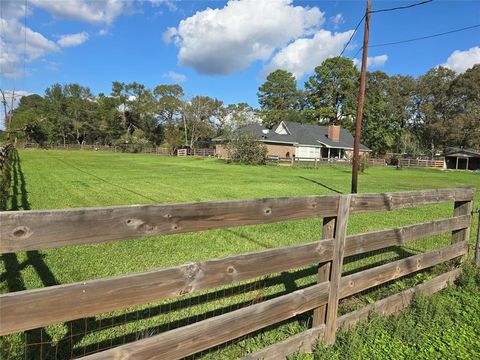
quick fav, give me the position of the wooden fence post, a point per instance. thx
(336, 269)
(462, 208)
(477, 245)
(323, 274)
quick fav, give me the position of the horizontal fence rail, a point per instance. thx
(439, 164)
(29, 309)
(40, 229)
(29, 230)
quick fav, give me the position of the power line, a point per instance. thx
(401, 7)
(421, 38)
(25, 44)
(425, 37)
(351, 37)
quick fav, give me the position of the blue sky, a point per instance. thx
(224, 51)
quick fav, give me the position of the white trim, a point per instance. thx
(284, 126)
(281, 142)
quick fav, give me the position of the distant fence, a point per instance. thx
(318, 162)
(36, 230)
(124, 148)
(421, 163)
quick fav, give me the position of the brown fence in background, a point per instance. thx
(421, 163)
(318, 162)
(127, 148)
(35, 230)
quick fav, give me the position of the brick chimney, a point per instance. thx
(334, 132)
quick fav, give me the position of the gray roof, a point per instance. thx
(453, 151)
(303, 134)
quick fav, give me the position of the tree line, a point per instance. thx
(131, 114)
(401, 115)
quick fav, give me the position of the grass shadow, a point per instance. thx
(321, 184)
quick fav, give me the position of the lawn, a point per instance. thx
(55, 179)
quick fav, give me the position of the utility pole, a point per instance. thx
(361, 97)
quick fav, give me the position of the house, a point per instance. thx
(290, 139)
(459, 158)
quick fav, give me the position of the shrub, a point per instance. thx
(244, 148)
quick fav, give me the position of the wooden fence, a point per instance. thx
(40, 229)
(128, 148)
(113, 148)
(421, 163)
(5, 151)
(318, 162)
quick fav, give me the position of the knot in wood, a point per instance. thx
(22, 232)
(268, 211)
(191, 271)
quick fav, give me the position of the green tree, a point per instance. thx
(279, 98)
(169, 109)
(331, 93)
(61, 128)
(432, 108)
(400, 93)
(80, 109)
(246, 149)
(378, 129)
(464, 119)
(198, 119)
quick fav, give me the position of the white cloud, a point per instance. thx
(460, 61)
(14, 49)
(177, 77)
(222, 41)
(170, 4)
(337, 20)
(303, 55)
(97, 12)
(373, 61)
(36, 45)
(71, 40)
(20, 43)
(102, 32)
(8, 62)
(379, 60)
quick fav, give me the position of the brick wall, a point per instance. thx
(280, 150)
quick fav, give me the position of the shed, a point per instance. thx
(462, 159)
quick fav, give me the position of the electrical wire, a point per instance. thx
(25, 44)
(401, 7)
(351, 37)
(420, 38)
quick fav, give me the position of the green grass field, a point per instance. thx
(56, 179)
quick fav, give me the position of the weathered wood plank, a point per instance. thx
(399, 200)
(40, 229)
(362, 243)
(357, 282)
(462, 208)
(336, 270)
(301, 343)
(397, 302)
(323, 273)
(30, 309)
(305, 341)
(34, 308)
(188, 340)
(34, 230)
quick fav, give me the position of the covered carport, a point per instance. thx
(462, 159)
